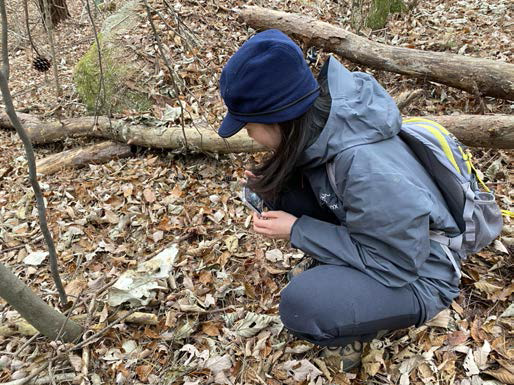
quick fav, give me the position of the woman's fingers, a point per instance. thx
(271, 214)
(258, 221)
(247, 175)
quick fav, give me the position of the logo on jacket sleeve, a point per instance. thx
(325, 199)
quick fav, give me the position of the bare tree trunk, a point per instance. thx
(493, 131)
(44, 318)
(49, 26)
(58, 10)
(477, 76)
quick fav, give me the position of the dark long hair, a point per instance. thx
(296, 136)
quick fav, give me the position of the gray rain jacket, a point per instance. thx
(389, 200)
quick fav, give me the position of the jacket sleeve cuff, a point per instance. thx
(294, 235)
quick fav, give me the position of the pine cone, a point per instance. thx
(41, 64)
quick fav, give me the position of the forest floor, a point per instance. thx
(215, 319)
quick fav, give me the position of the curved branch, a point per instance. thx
(27, 144)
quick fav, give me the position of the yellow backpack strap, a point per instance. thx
(422, 120)
(443, 143)
(477, 174)
(467, 159)
(507, 213)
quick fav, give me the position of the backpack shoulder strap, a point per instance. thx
(331, 168)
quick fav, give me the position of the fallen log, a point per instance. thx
(493, 131)
(475, 75)
(199, 136)
(78, 157)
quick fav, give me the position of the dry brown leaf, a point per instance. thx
(205, 277)
(487, 287)
(457, 308)
(75, 287)
(249, 290)
(442, 319)
(211, 328)
(151, 333)
(509, 365)
(476, 333)
(149, 195)
(425, 372)
(372, 361)
(177, 191)
(502, 374)
(457, 338)
(503, 295)
(143, 371)
(232, 243)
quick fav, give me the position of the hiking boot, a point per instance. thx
(350, 355)
(305, 263)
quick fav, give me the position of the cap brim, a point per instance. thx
(230, 126)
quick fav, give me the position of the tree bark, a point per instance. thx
(493, 131)
(58, 10)
(200, 138)
(78, 157)
(477, 76)
(31, 161)
(44, 318)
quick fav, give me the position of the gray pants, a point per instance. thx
(333, 305)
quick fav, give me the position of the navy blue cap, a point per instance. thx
(266, 81)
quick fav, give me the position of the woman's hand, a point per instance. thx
(247, 175)
(274, 224)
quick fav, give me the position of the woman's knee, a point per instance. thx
(291, 307)
(306, 309)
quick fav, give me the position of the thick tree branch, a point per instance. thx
(9, 106)
(35, 311)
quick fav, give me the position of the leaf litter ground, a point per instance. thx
(214, 320)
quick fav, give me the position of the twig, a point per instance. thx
(47, 17)
(26, 11)
(29, 341)
(5, 49)
(85, 366)
(78, 346)
(9, 106)
(64, 377)
(101, 85)
(51, 373)
(26, 380)
(102, 332)
(61, 330)
(407, 97)
(175, 87)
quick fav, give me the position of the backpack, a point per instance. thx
(449, 164)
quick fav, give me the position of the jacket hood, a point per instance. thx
(361, 112)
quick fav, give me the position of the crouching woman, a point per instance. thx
(367, 225)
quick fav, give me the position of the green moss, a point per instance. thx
(115, 97)
(380, 10)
